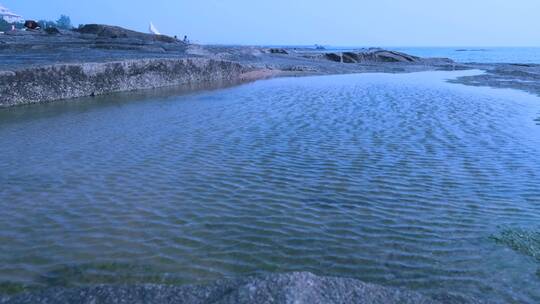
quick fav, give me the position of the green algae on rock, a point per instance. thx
(526, 242)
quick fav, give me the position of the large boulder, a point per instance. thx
(391, 56)
(114, 32)
(350, 57)
(333, 57)
(372, 56)
(278, 51)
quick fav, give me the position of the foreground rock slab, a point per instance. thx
(295, 288)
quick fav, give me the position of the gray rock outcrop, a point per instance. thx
(524, 77)
(372, 56)
(115, 32)
(47, 83)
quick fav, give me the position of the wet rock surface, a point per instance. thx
(277, 288)
(523, 241)
(526, 242)
(524, 77)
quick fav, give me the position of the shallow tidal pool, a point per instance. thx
(394, 179)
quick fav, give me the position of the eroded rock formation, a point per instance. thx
(54, 82)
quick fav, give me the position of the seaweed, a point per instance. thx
(526, 242)
(12, 288)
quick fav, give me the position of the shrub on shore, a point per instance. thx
(6, 26)
(64, 22)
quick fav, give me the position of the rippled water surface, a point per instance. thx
(393, 179)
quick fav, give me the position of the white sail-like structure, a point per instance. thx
(8, 16)
(153, 29)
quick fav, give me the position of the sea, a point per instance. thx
(403, 180)
(524, 55)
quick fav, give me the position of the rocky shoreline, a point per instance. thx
(300, 287)
(525, 77)
(64, 81)
(43, 66)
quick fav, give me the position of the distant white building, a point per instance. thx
(9, 16)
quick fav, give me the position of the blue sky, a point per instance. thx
(338, 22)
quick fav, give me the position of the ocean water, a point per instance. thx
(397, 180)
(526, 55)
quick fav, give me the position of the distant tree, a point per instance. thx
(46, 24)
(64, 22)
(4, 25)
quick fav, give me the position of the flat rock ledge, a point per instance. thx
(64, 81)
(297, 288)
